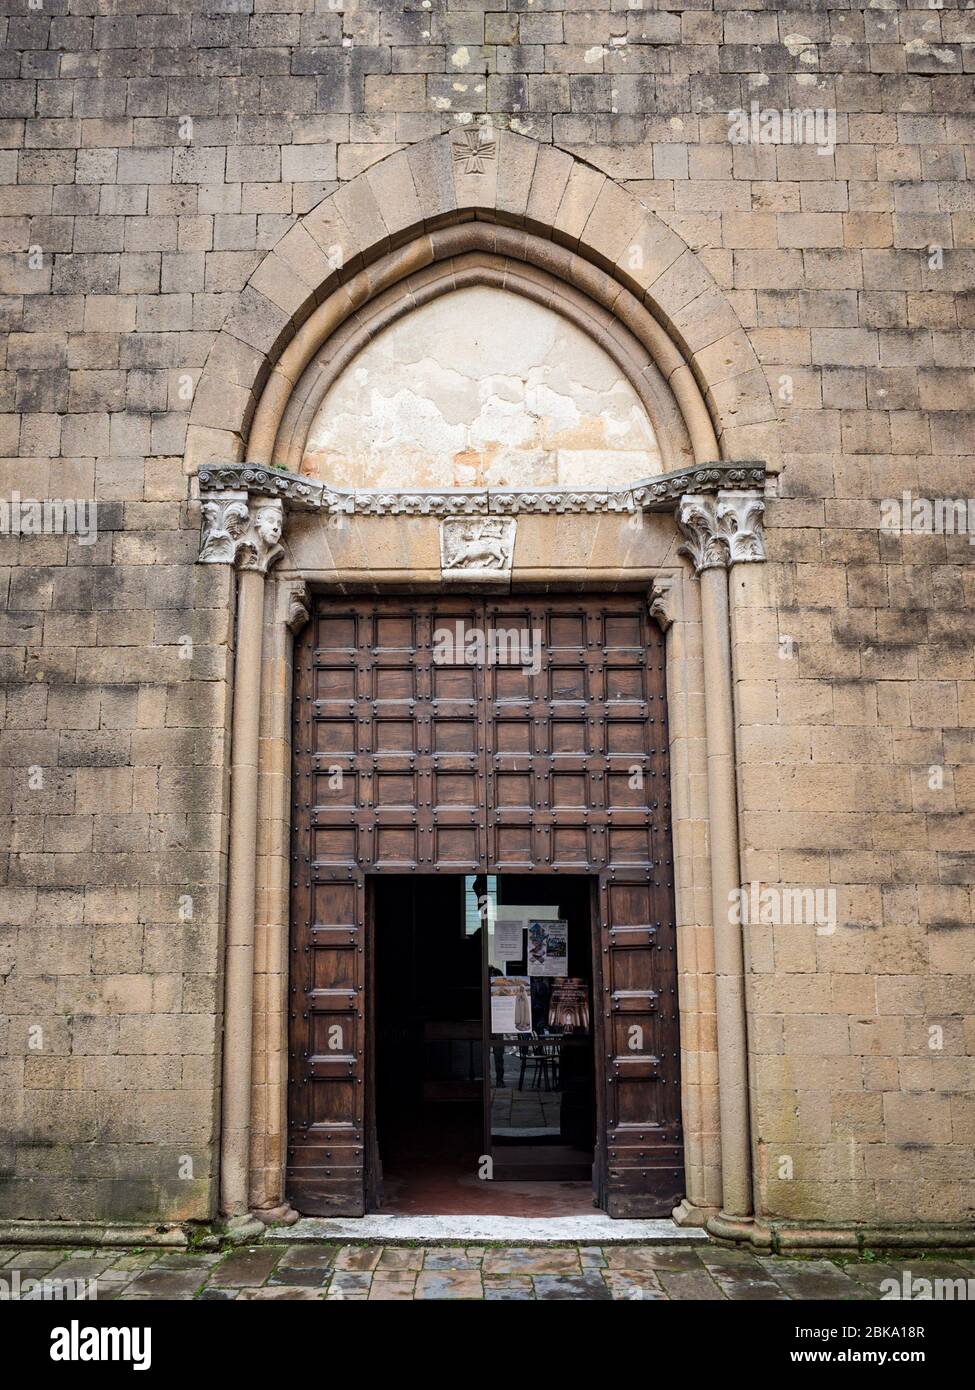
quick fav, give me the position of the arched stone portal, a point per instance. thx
(427, 223)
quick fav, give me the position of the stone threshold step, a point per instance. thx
(507, 1230)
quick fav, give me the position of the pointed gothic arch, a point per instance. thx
(387, 233)
(443, 214)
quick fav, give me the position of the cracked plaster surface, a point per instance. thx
(481, 388)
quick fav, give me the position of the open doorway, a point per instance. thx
(484, 1078)
(429, 1074)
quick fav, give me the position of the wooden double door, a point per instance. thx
(469, 736)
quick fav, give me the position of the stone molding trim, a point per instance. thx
(771, 1236)
(722, 530)
(660, 494)
(531, 202)
(237, 482)
(241, 528)
(266, 482)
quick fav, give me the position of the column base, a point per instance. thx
(687, 1213)
(782, 1237)
(284, 1215)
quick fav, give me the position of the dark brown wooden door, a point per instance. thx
(470, 736)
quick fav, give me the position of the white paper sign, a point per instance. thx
(508, 940)
(503, 1013)
(515, 917)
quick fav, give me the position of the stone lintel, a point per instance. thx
(660, 494)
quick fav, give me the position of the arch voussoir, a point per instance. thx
(407, 212)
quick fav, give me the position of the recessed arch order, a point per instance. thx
(497, 210)
(535, 221)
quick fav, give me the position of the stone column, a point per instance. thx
(244, 531)
(675, 603)
(720, 531)
(287, 608)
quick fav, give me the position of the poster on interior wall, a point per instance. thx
(568, 1006)
(548, 948)
(517, 917)
(508, 940)
(511, 1004)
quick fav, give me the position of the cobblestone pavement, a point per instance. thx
(580, 1272)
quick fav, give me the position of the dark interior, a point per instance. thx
(429, 1072)
(437, 1118)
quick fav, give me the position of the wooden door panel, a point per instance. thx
(410, 759)
(644, 1161)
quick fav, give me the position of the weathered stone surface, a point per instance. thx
(585, 1274)
(164, 233)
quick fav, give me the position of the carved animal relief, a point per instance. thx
(473, 548)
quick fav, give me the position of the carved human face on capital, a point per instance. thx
(269, 525)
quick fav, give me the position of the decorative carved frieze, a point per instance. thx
(477, 549)
(722, 530)
(660, 494)
(719, 511)
(511, 502)
(269, 482)
(241, 529)
(652, 494)
(459, 503)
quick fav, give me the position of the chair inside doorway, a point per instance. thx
(468, 1120)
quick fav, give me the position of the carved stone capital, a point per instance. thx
(740, 514)
(226, 517)
(664, 600)
(261, 546)
(722, 530)
(242, 529)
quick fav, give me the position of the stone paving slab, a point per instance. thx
(164, 1283)
(397, 1273)
(393, 1284)
(527, 1261)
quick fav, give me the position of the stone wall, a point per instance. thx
(148, 161)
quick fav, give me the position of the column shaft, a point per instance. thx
(239, 986)
(728, 949)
